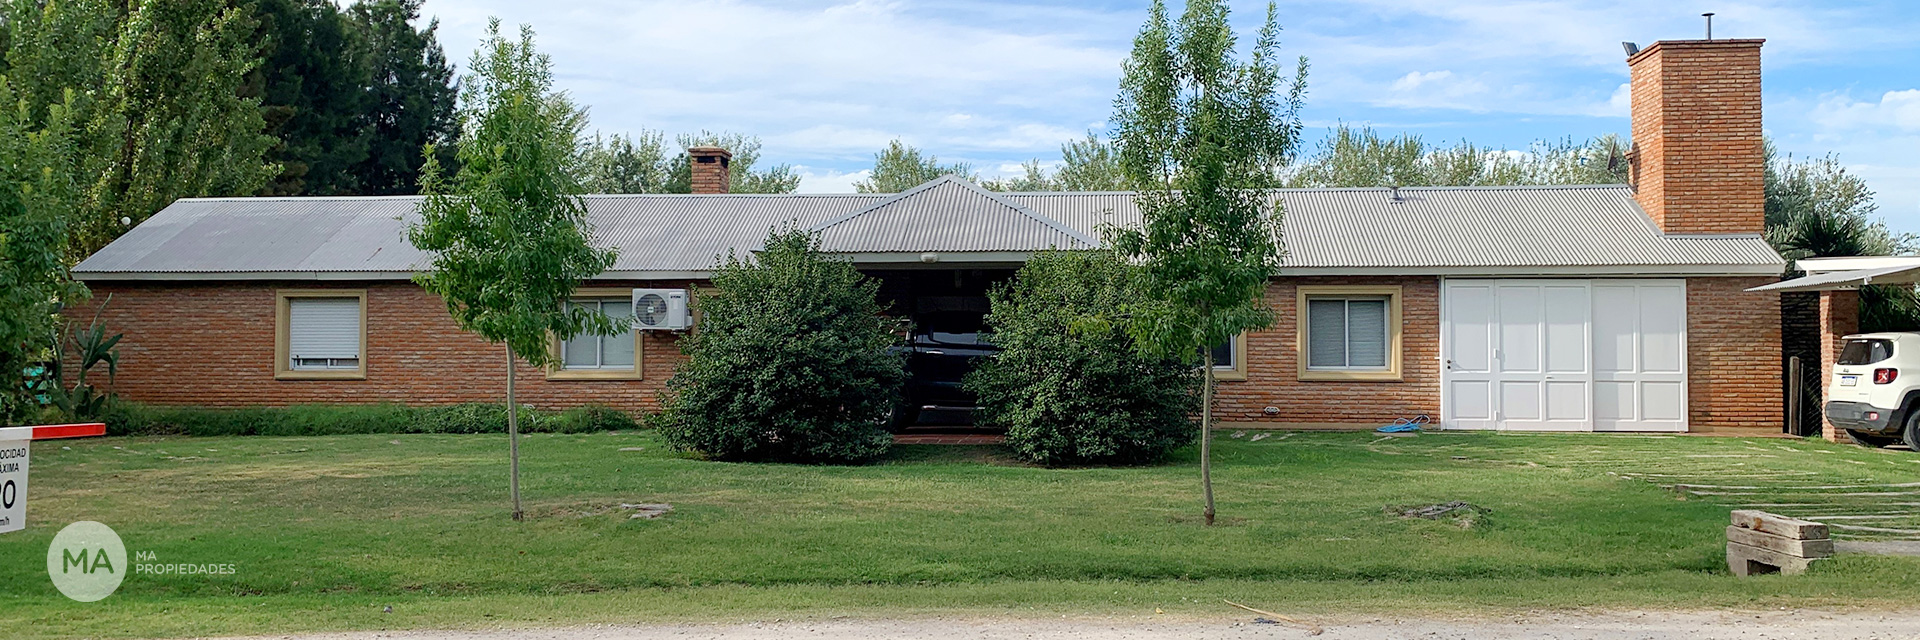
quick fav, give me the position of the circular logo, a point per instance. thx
(87, 561)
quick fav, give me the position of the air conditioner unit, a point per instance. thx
(661, 310)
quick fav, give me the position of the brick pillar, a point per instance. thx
(711, 169)
(1839, 317)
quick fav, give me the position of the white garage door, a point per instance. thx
(1564, 355)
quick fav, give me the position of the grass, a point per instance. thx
(327, 531)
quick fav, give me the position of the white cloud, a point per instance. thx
(1896, 110)
(829, 181)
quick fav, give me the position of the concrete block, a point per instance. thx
(1802, 548)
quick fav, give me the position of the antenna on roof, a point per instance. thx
(1396, 193)
(1709, 16)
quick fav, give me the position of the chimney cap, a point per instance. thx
(708, 150)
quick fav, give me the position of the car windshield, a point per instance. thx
(1865, 351)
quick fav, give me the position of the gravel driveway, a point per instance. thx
(1624, 625)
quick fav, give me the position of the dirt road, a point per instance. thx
(1625, 625)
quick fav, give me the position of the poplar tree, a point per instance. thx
(1201, 135)
(509, 231)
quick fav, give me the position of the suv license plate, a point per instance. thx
(1848, 381)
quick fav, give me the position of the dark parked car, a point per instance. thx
(937, 361)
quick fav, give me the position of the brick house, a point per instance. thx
(1605, 308)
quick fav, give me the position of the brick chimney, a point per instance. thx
(710, 174)
(1698, 157)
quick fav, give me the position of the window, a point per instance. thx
(1230, 359)
(597, 357)
(320, 335)
(1349, 333)
(1865, 351)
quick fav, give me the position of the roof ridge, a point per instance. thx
(969, 186)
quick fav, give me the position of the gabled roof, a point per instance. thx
(947, 214)
(1435, 230)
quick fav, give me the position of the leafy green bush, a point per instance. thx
(1069, 386)
(790, 362)
(130, 418)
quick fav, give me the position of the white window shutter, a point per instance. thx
(1326, 333)
(323, 328)
(1366, 333)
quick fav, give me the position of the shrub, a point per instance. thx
(130, 418)
(791, 362)
(1068, 386)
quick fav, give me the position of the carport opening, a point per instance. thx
(946, 309)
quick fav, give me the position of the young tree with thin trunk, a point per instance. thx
(508, 231)
(1201, 136)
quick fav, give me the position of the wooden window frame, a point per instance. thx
(1303, 325)
(1237, 372)
(283, 314)
(559, 371)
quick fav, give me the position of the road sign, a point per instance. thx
(14, 450)
(13, 485)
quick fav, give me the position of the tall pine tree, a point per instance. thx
(314, 82)
(410, 102)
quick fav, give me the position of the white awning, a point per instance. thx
(1847, 280)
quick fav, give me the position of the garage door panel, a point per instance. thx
(1615, 400)
(1518, 324)
(1616, 317)
(1520, 400)
(1567, 354)
(1565, 311)
(1662, 401)
(1469, 314)
(1567, 401)
(1662, 329)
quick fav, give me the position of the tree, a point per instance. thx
(36, 192)
(626, 164)
(1069, 385)
(1201, 135)
(410, 102)
(1816, 209)
(316, 79)
(640, 164)
(1085, 165)
(1362, 157)
(160, 103)
(900, 167)
(792, 361)
(508, 231)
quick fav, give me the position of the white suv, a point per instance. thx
(1869, 394)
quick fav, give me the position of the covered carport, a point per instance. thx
(1838, 281)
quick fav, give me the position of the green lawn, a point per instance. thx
(326, 531)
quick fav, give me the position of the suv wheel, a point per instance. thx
(1912, 432)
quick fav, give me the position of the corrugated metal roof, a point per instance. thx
(947, 214)
(1461, 228)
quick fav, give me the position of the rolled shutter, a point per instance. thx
(1327, 333)
(1366, 333)
(323, 328)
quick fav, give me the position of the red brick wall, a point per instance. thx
(1273, 366)
(711, 172)
(213, 345)
(1734, 362)
(1839, 318)
(1699, 157)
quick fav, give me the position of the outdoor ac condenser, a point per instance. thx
(661, 310)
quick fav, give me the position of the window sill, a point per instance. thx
(593, 374)
(1350, 376)
(1230, 376)
(320, 375)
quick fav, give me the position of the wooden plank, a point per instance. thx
(1800, 548)
(1779, 525)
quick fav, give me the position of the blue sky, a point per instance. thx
(825, 84)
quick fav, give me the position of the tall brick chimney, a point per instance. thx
(710, 174)
(1698, 157)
